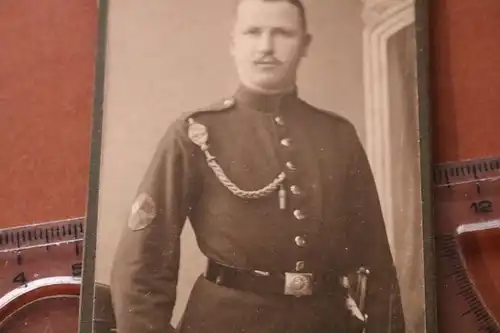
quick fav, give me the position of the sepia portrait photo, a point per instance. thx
(259, 169)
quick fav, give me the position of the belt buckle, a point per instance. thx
(298, 284)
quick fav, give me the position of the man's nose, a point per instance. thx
(266, 43)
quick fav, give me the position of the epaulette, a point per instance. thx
(333, 115)
(337, 117)
(221, 105)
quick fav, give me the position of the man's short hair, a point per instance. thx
(296, 3)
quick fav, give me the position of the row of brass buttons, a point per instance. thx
(295, 190)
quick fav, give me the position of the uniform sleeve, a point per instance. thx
(146, 264)
(370, 245)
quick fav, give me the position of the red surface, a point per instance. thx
(56, 315)
(46, 80)
(46, 71)
(465, 56)
(465, 65)
(46, 66)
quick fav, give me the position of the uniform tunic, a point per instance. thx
(332, 220)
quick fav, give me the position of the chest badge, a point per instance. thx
(198, 134)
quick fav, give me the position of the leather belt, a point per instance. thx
(285, 283)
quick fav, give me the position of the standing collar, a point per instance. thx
(267, 103)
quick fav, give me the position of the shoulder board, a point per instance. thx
(337, 116)
(221, 105)
(331, 114)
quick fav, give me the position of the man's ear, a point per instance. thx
(231, 42)
(307, 42)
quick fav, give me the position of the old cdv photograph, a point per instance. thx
(259, 169)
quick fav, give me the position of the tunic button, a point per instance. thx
(298, 214)
(279, 120)
(295, 189)
(228, 102)
(290, 166)
(300, 241)
(285, 142)
(299, 266)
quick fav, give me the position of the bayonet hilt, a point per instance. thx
(356, 298)
(361, 291)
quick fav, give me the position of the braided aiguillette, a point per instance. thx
(199, 135)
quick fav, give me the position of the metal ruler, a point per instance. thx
(467, 216)
(40, 276)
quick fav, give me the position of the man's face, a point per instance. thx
(268, 43)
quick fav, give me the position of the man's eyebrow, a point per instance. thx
(277, 27)
(286, 28)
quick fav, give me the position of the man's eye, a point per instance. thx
(285, 33)
(252, 32)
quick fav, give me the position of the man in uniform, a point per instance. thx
(281, 199)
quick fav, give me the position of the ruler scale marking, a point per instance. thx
(466, 195)
(24, 252)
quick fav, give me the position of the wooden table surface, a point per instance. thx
(46, 65)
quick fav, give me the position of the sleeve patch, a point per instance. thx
(142, 213)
